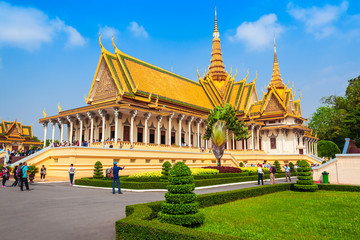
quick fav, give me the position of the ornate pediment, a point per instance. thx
(105, 88)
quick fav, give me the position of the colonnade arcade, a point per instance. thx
(127, 125)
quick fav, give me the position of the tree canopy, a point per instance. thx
(228, 115)
(327, 149)
(339, 117)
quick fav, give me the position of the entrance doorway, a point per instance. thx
(140, 134)
(163, 133)
(152, 136)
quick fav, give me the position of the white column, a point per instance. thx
(180, 118)
(70, 119)
(283, 140)
(244, 142)
(190, 119)
(45, 123)
(116, 119)
(159, 118)
(53, 123)
(102, 113)
(80, 118)
(61, 122)
(252, 137)
(316, 153)
(233, 143)
(199, 120)
(147, 117)
(133, 114)
(170, 118)
(227, 140)
(91, 115)
(206, 144)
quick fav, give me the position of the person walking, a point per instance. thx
(287, 173)
(272, 174)
(19, 173)
(115, 171)
(72, 171)
(5, 175)
(260, 175)
(24, 177)
(15, 176)
(42, 173)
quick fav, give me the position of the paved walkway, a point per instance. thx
(59, 211)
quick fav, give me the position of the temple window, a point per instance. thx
(172, 137)
(112, 132)
(163, 133)
(140, 134)
(152, 136)
(182, 138)
(273, 143)
(126, 133)
(100, 133)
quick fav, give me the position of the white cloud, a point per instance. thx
(318, 20)
(107, 32)
(138, 30)
(29, 28)
(260, 33)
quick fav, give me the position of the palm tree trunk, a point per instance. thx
(218, 152)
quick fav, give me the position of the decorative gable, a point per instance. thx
(273, 105)
(105, 88)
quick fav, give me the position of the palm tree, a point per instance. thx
(219, 138)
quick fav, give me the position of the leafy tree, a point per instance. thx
(181, 207)
(221, 122)
(327, 149)
(98, 170)
(305, 180)
(340, 117)
(35, 138)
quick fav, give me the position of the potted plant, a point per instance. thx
(32, 171)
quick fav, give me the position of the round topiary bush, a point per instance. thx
(181, 207)
(277, 166)
(305, 180)
(98, 170)
(165, 171)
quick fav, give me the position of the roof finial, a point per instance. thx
(100, 41)
(216, 33)
(275, 55)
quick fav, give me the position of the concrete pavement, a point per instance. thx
(60, 211)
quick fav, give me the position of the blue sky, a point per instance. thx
(49, 50)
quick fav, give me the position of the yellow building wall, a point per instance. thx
(58, 160)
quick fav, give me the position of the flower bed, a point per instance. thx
(225, 169)
(157, 174)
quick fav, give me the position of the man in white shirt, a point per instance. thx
(260, 175)
(287, 172)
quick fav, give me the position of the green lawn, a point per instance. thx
(288, 215)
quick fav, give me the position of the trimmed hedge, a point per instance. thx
(136, 225)
(345, 188)
(125, 182)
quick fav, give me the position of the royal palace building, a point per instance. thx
(133, 103)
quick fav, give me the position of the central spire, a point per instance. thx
(276, 80)
(217, 69)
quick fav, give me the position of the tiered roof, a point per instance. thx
(15, 129)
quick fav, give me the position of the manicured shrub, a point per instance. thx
(277, 166)
(98, 170)
(225, 169)
(177, 209)
(165, 170)
(305, 181)
(241, 164)
(291, 166)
